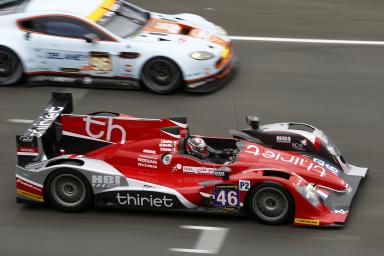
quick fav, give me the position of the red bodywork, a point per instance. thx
(136, 147)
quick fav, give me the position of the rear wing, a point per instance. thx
(41, 139)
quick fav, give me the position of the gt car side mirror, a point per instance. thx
(91, 38)
(253, 121)
(223, 172)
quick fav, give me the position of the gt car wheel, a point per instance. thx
(69, 191)
(271, 203)
(161, 75)
(11, 70)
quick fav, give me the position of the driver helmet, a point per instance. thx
(197, 147)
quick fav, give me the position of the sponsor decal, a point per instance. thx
(28, 185)
(307, 222)
(26, 139)
(109, 128)
(29, 195)
(198, 170)
(283, 139)
(300, 145)
(177, 167)
(147, 161)
(327, 166)
(168, 145)
(227, 196)
(45, 121)
(244, 185)
(137, 199)
(65, 56)
(167, 27)
(294, 160)
(28, 190)
(149, 151)
(105, 181)
(167, 159)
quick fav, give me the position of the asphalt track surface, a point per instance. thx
(338, 88)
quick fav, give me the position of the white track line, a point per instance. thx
(210, 240)
(21, 121)
(306, 40)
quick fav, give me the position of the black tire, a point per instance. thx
(68, 191)
(162, 75)
(271, 203)
(11, 69)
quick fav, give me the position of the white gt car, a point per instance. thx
(110, 41)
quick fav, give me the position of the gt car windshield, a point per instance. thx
(124, 19)
(11, 6)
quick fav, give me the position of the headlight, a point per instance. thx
(311, 195)
(220, 30)
(225, 52)
(200, 55)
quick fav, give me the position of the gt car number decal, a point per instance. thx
(101, 62)
(227, 196)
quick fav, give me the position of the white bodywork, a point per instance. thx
(47, 54)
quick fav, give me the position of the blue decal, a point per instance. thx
(227, 196)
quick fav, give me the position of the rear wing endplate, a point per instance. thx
(41, 138)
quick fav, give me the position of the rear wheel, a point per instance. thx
(69, 191)
(162, 75)
(271, 203)
(11, 69)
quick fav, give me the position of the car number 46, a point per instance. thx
(227, 198)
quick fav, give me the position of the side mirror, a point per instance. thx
(223, 172)
(91, 38)
(253, 121)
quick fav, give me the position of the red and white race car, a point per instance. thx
(278, 173)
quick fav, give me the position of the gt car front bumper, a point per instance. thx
(213, 82)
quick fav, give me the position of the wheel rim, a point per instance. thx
(270, 204)
(68, 190)
(7, 64)
(161, 72)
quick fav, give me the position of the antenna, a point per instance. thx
(236, 118)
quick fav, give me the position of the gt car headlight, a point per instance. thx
(225, 52)
(201, 55)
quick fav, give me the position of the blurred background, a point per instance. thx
(338, 88)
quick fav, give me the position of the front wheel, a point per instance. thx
(271, 203)
(162, 75)
(11, 69)
(69, 191)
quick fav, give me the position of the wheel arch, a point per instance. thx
(178, 63)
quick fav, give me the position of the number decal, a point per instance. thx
(227, 196)
(244, 185)
(101, 62)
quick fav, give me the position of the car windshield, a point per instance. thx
(124, 19)
(11, 6)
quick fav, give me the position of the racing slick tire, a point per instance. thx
(68, 191)
(162, 75)
(11, 68)
(271, 203)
